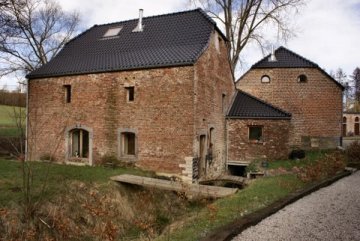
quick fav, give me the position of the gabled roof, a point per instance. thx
(286, 58)
(246, 106)
(166, 40)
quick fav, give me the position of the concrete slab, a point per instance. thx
(189, 189)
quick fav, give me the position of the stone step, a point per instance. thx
(191, 190)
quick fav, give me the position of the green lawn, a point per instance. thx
(194, 223)
(258, 194)
(7, 121)
(58, 175)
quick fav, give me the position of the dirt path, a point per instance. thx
(332, 213)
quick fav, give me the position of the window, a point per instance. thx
(128, 143)
(67, 93)
(130, 93)
(255, 133)
(302, 78)
(79, 143)
(112, 32)
(265, 79)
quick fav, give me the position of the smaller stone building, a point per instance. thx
(351, 123)
(300, 87)
(256, 130)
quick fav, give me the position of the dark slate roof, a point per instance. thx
(246, 106)
(285, 59)
(167, 40)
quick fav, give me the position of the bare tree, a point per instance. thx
(356, 78)
(244, 21)
(31, 33)
(341, 77)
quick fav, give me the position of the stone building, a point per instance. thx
(301, 88)
(158, 92)
(351, 122)
(256, 130)
(152, 91)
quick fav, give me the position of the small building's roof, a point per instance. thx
(175, 39)
(351, 112)
(246, 106)
(286, 58)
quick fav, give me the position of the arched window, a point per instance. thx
(79, 146)
(344, 126)
(302, 78)
(356, 126)
(265, 79)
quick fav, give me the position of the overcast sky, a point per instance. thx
(328, 31)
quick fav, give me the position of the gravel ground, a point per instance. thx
(331, 213)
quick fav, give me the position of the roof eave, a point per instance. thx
(30, 77)
(258, 118)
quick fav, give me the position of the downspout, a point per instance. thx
(27, 120)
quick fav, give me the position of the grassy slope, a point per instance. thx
(260, 193)
(11, 177)
(7, 123)
(197, 222)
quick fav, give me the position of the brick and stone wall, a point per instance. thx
(315, 105)
(171, 107)
(162, 114)
(350, 125)
(214, 89)
(274, 143)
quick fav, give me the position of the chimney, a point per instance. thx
(272, 57)
(140, 26)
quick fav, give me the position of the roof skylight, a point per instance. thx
(112, 32)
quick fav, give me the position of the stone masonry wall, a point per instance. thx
(350, 123)
(162, 114)
(274, 145)
(214, 88)
(172, 107)
(316, 105)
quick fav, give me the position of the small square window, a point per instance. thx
(130, 93)
(255, 133)
(111, 32)
(67, 89)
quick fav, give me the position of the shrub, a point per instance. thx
(252, 167)
(109, 160)
(353, 152)
(326, 166)
(47, 157)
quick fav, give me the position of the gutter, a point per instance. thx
(27, 120)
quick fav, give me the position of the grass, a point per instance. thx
(310, 158)
(11, 177)
(191, 222)
(7, 123)
(260, 193)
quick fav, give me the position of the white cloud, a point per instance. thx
(328, 34)
(107, 11)
(328, 31)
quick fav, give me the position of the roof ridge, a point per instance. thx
(266, 103)
(297, 55)
(152, 16)
(288, 50)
